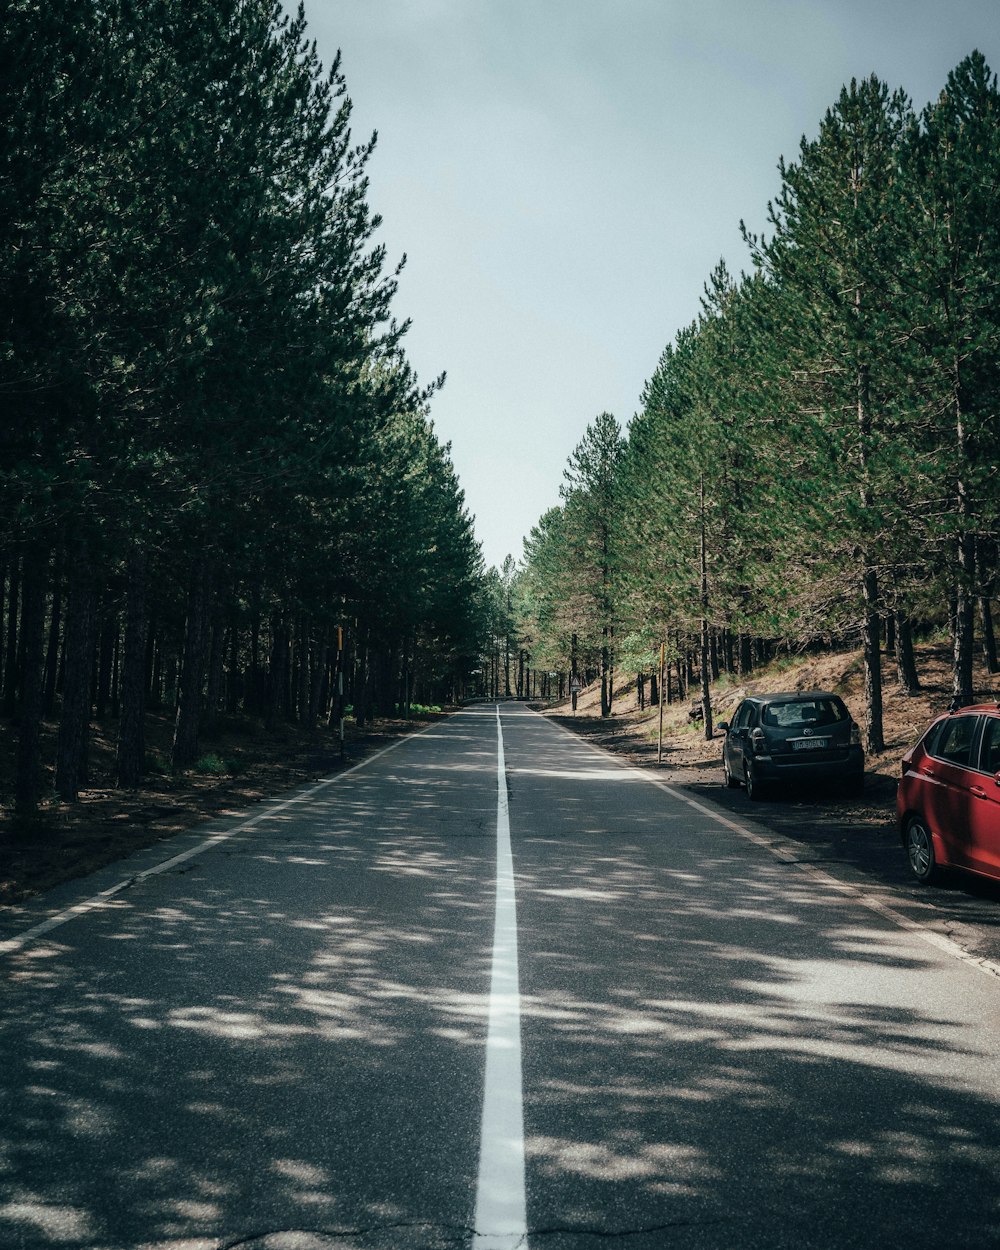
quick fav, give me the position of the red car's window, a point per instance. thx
(990, 757)
(953, 741)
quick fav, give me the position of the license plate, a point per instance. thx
(810, 744)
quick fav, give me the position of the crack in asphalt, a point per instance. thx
(456, 1232)
(645, 1230)
(452, 1232)
(814, 859)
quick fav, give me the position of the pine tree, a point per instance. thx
(589, 490)
(835, 246)
(951, 196)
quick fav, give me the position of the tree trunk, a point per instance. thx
(234, 684)
(989, 635)
(706, 690)
(906, 667)
(611, 669)
(302, 684)
(152, 693)
(116, 689)
(605, 701)
(965, 611)
(28, 782)
(105, 659)
(3, 601)
(964, 626)
(187, 724)
(872, 634)
(216, 665)
(707, 659)
(131, 756)
(338, 668)
(156, 680)
(986, 568)
(78, 651)
(871, 625)
(10, 667)
(275, 685)
(361, 685)
(255, 696)
(52, 651)
(319, 675)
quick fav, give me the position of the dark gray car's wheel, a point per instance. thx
(732, 782)
(756, 790)
(920, 850)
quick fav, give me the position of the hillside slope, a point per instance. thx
(688, 758)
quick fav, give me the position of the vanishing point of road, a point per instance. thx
(491, 989)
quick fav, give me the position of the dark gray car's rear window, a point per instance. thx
(804, 712)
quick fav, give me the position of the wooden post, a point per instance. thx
(659, 740)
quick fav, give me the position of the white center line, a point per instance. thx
(501, 1209)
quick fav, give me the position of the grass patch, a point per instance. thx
(156, 763)
(214, 765)
(779, 664)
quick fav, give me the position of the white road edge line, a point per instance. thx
(501, 1220)
(9, 946)
(784, 853)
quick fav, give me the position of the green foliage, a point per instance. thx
(818, 448)
(200, 359)
(215, 766)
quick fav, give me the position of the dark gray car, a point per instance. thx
(791, 737)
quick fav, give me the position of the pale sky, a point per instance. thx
(564, 174)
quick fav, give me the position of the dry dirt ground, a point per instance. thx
(240, 766)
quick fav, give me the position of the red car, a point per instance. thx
(948, 803)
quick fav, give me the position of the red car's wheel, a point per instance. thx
(920, 850)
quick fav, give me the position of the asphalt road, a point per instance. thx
(291, 1038)
(858, 841)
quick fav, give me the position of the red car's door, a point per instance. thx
(984, 807)
(947, 798)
